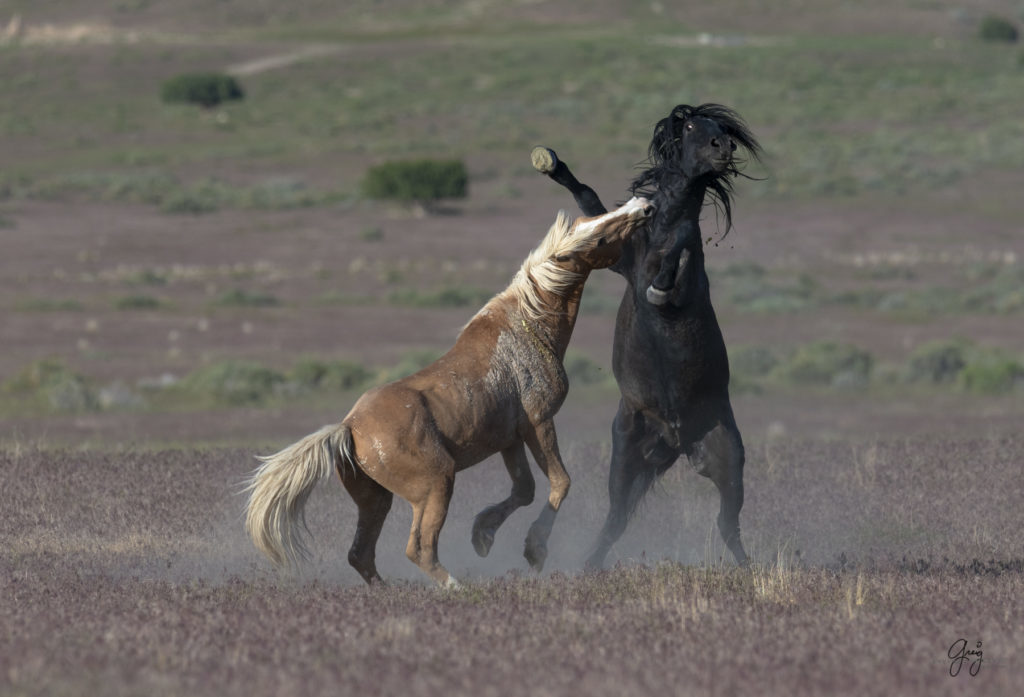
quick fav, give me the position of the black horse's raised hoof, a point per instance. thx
(483, 534)
(544, 159)
(656, 296)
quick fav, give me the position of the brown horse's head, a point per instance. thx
(599, 238)
(572, 249)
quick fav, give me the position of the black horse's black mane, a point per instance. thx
(664, 155)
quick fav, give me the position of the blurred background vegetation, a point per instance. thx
(197, 109)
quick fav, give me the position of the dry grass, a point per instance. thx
(128, 573)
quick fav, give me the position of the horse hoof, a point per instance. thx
(544, 159)
(536, 554)
(482, 540)
(656, 297)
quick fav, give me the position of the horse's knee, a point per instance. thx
(559, 490)
(523, 492)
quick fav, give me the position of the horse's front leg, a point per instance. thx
(490, 519)
(544, 445)
(672, 265)
(546, 162)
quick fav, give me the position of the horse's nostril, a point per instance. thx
(714, 142)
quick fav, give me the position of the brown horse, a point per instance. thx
(497, 389)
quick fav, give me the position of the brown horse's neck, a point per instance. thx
(554, 329)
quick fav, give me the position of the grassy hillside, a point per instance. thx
(838, 114)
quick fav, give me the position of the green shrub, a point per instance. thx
(233, 382)
(205, 89)
(236, 297)
(72, 393)
(1003, 292)
(62, 388)
(331, 375)
(828, 363)
(992, 373)
(136, 302)
(204, 196)
(50, 305)
(38, 375)
(420, 181)
(448, 296)
(993, 28)
(937, 362)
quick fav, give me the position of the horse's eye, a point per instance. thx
(689, 126)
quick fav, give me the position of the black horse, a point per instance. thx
(669, 357)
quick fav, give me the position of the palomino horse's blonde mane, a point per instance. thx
(540, 273)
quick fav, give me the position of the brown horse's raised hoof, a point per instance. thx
(544, 159)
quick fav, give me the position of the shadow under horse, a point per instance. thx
(669, 357)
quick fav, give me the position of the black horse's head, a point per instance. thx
(698, 144)
(694, 154)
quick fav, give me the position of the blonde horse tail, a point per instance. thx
(279, 488)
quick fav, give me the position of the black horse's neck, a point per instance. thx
(678, 211)
(681, 268)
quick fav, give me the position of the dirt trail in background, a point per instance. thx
(282, 60)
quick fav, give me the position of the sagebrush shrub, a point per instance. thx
(234, 382)
(205, 89)
(937, 362)
(992, 373)
(333, 375)
(993, 28)
(421, 181)
(828, 363)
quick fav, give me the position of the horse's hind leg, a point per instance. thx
(719, 456)
(490, 519)
(428, 516)
(631, 474)
(374, 503)
(546, 161)
(544, 445)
